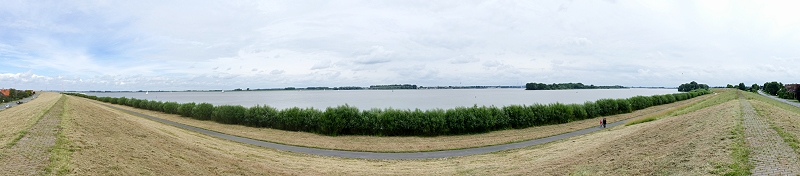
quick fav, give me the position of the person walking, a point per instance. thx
(601, 124)
(604, 122)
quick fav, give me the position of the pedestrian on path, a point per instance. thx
(604, 122)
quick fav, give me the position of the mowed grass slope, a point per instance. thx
(108, 142)
(407, 144)
(19, 118)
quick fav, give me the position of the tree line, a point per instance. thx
(775, 88)
(348, 120)
(560, 86)
(686, 87)
(14, 95)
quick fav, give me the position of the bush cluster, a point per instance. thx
(348, 120)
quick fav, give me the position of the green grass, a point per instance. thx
(16, 139)
(642, 120)
(60, 152)
(740, 154)
(788, 138)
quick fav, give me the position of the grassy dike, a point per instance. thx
(347, 120)
(740, 153)
(725, 95)
(111, 142)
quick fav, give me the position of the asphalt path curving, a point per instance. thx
(14, 103)
(374, 155)
(780, 99)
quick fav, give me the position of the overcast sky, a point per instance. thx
(179, 45)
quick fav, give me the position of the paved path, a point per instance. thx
(780, 99)
(770, 154)
(30, 155)
(374, 155)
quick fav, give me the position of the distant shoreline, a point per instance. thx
(281, 89)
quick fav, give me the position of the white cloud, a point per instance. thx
(321, 65)
(160, 45)
(277, 72)
(464, 59)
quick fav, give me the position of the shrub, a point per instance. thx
(122, 100)
(335, 120)
(142, 104)
(519, 116)
(131, 102)
(186, 109)
(456, 120)
(540, 114)
(155, 105)
(436, 122)
(370, 125)
(559, 113)
(578, 112)
(640, 102)
(592, 110)
(170, 107)
(623, 106)
(261, 116)
(229, 114)
(203, 111)
(607, 106)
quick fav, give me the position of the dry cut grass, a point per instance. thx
(19, 118)
(108, 142)
(786, 122)
(406, 144)
(696, 143)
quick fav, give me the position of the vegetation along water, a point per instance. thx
(349, 120)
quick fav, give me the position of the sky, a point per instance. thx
(194, 45)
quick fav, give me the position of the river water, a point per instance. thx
(399, 99)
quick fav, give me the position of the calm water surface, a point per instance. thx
(400, 99)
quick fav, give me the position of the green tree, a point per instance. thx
(686, 87)
(741, 86)
(729, 86)
(754, 88)
(772, 87)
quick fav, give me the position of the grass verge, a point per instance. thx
(740, 154)
(60, 152)
(787, 137)
(782, 105)
(16, 139)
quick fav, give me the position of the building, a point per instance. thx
(5, 92)
(791, 87)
